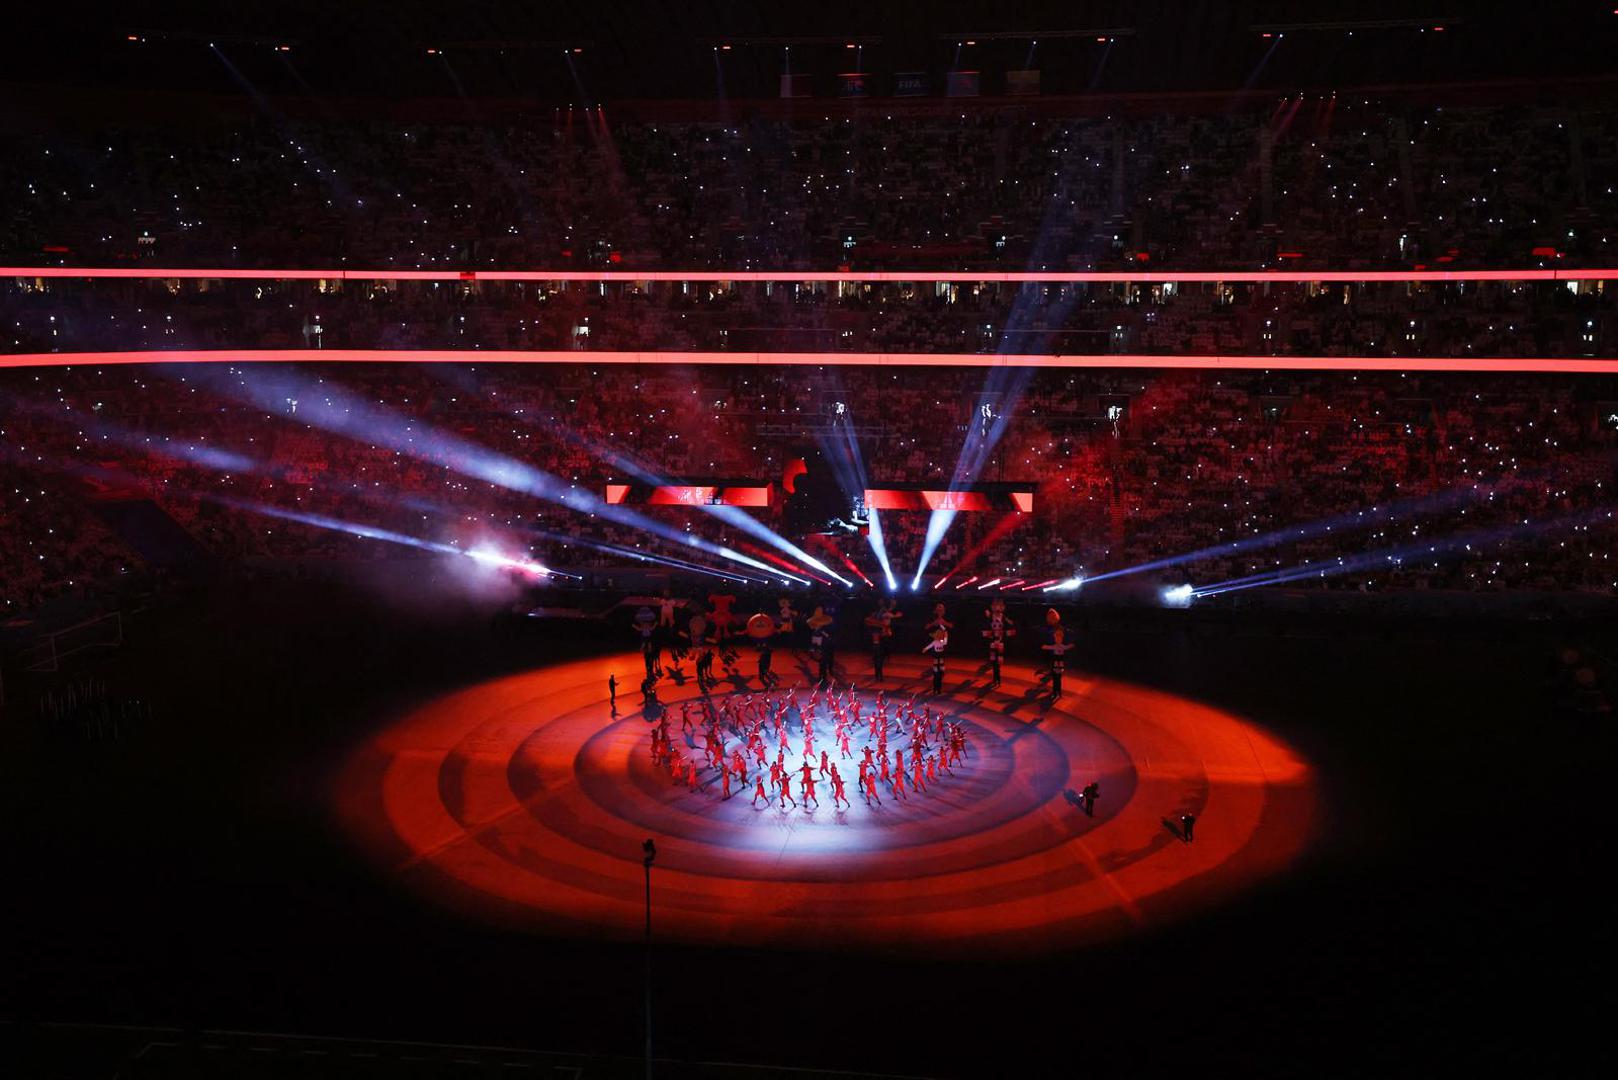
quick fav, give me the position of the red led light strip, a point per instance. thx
(691, 495)
(1232, 276)
(969, 501)
(1537, 365)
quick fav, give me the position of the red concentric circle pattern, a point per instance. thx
(526, 799)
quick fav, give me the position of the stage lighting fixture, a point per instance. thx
(1068, 585)
(1177, 596)
(490, 557)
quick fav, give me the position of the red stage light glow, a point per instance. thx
(525, 801)
(846, 561)
(791, 568)
(992, 537)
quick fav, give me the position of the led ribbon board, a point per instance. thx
(710, 494)
(978, 497)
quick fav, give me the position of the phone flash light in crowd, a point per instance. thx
(1178, 596)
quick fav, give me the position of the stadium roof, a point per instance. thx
(572, 50)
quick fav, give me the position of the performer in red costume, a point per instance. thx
(838, 793)
(723, 618)
(808, 784)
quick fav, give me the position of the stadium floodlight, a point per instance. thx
(330, 408)
(484, 554)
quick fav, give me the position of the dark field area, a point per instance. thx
(190, 874)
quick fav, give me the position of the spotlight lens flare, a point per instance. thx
(490, 557)
(1177, 596)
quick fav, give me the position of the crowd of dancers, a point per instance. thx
(728, 743)
(715, 632)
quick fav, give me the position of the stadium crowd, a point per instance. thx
(1509, 477)
(1458, 319)
(1130, 468)
(1361, 183)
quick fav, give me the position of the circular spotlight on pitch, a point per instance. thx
(526, 800)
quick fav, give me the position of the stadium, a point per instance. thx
(949, 540)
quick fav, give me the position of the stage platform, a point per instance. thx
(524, 801)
